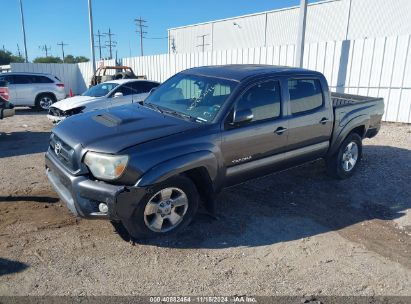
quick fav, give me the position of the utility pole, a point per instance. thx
(110, 43)
(18, 50)
(90, 20)
(301, 34)
(140, 25)
(45, 49)
(99, 46)
(24, 31)
(62, 44)
(203, 44)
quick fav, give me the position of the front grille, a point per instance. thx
(63, 152)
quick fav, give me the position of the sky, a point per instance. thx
(49, 22)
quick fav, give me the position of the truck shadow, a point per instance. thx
(302, 202)
(9, 266)
(23, 143)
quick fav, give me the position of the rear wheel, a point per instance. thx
(344, 163)
(168, 208)
(44, 101)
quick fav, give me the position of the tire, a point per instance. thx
(346, 160)
(44, 101)
(150, 220)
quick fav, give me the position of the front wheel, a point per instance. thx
(44, 101)
(168, 208)
(344, 163)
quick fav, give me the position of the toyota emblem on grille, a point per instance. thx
(57, 147)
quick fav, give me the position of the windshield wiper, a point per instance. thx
(153, 106)
(182, 115)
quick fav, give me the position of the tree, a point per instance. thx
(72, 59)
(7, 57)
(48, 59)
(82, 59)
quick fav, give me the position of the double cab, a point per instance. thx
(148, 165)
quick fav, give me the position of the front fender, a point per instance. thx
(165, 170)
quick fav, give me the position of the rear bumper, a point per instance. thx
(7, 111)
(371, 132)
(83, 196)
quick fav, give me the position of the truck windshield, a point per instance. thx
(191, 96)
(100, 90)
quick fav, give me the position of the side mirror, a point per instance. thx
(242, 117)
(118, 94)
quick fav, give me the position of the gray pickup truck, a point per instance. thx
(149, 165)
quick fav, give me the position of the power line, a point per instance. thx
(45, 49)
(62, 44)
(99, 46)
(110, 43)
(140, 30)
(203, 44)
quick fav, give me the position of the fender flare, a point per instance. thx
(180, 164)
(359, 121)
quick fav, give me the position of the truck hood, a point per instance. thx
(75, 102)
(115, 129)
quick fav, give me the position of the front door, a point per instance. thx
(248, 149)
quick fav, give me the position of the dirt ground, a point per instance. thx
(296, 232)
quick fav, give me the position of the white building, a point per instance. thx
(326, 21)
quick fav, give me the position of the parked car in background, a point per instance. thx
(204, 129)
(107, 73)
(104, 95)
(6, 108)
(35, 90)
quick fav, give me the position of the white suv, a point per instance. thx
(33, 89)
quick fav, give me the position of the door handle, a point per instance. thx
(324, 120)
(280, 130)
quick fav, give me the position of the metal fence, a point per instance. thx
(378, 67)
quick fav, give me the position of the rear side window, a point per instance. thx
(305, 95)
(263, 99)
(41, 79)
(143, 86)
(21, 79)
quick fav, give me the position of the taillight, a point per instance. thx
(4, 93)
(60, 85)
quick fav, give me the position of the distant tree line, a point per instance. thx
(6, 57)
(67, 59)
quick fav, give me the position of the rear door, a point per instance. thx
(310, 117)
(25, 90)
(248, 149)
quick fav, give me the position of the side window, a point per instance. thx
(126, 89)
(21, 79)
(263, 99)
(146, 86)
(41, 79)
(142, 86)
(305, 95)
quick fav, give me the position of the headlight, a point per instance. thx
(106, 166)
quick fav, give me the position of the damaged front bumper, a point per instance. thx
(84, 196)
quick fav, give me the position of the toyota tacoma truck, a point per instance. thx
(149, 165)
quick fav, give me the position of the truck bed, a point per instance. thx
(343, 99)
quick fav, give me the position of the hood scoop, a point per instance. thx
(110, 120)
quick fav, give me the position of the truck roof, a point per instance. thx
(239, 72)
